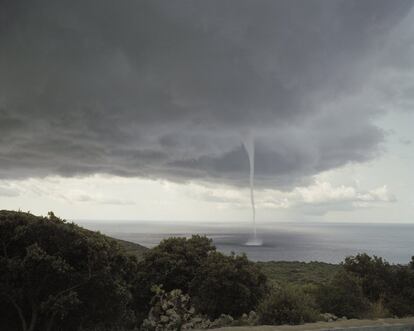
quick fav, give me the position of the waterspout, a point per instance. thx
(249, 147)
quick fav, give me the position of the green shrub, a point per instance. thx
(218, 284)
(376, 274)
(71, 277)
(227, 285)
(173, 263)
(343, 296)
(400, 300)
(389, 288)
(287, 305)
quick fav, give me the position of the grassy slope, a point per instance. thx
(299, 273)
(132, 248)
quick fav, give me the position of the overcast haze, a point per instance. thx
(139, 109)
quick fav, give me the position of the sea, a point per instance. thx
(282, 241)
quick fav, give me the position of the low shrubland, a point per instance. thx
(55, 275)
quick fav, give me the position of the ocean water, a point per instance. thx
(327, 242)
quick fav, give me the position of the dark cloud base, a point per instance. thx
(164, 89)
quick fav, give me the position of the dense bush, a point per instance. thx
(364, 287)
(176, 261)
(57, 276)
(376, 275)
(369, 287)
(227, 285)
(389, 288)
(400, 298)
(287, 305)
(343, 296)
(173, 264)
(217, 283)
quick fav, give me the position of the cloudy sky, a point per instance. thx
(139, 109)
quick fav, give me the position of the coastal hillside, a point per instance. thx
(78, 279)
(132, 248)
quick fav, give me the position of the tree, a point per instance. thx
(216, 283)
(56, 275)
(400, 300)
(376, 275)
(227, 285)
(175, 261)
(173, 264)
(343, 296)
(389, 288)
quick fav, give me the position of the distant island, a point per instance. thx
(56, 275)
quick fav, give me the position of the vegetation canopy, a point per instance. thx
(216, 283)
(55, 275)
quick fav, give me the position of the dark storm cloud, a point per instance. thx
(169, 89)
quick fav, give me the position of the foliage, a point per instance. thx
(400, 299)
(362, 286)
(227, 285)
(173, 264)
(375, 274)
(217, 283)
(169, 311)
(175, 261)
(299, 273)
(56, 275)
(287, 305)
(131, 248)
(343, 296)
(390, 288)
(369, 287)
